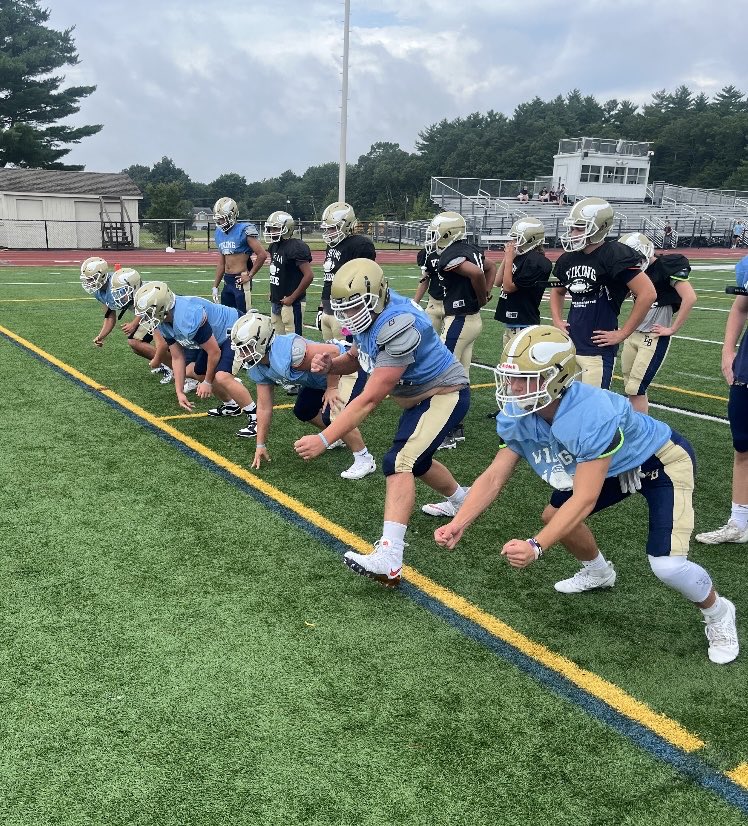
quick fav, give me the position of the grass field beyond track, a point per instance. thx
(180, 649)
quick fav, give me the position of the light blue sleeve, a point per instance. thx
(741, 273)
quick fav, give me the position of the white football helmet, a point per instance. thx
(251, 337)
(527, 233)
(338, 222)
(641, 244)
(225, 213)
(358, 291)
(591, 215)
(152, 302)
(125, 282)
(444, 229)
(94, 273)
(536, 368)
(279, 226)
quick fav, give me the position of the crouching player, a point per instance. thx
(115, 291)
(192, 323)
(287, 359)
(595, 450)
(395, 342)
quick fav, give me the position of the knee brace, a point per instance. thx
(682, 575)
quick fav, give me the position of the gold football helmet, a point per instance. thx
(527, 233)
(151, 303)
(338, 222)
(444, 229)
(94, 273)
(279, 225)
(225, 213)
(536, 368)
(591, 215)
(125, 283)
(251, 337)
(641, 244)
(358, 291)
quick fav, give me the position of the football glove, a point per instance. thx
(216, 299)
(630, 480)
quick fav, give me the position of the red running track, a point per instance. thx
(151, 258)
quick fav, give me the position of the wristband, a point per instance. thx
(536, 546)
(259, 445)
(324, 440)
(209, 383)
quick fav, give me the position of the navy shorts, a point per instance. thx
(233, 296)
(147, 338)
(737, 413)
(225, 362)
(667, 485)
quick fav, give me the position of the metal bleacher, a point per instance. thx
(697, 217)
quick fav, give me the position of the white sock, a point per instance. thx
(598, 564)
(249, 408)
(361, 454)
(717, 611)
(739, 515)
(231, 403)
(458, 497)
(394, 533)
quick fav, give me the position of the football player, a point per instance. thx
(467, 277)
(343, 244)
(395, 342)
(431, 280)
(272, 358)
(240, 256)
(290, 273)
(594, 450)
(645, 349)
(190, 323)
(598, 274)
(522, 276)
(735, 371)
(115, 291)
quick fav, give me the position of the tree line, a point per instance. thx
(697, 141)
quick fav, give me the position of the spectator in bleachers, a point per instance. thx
(737, 234)
(524, 195)
(553, 197)
(667, 241)
(543, 195)
(562, 199)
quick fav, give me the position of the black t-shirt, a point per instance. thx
(429, 261)
(459, 295)
(529, 274)
(353, 246)
(598, 284)
(285, 275)
(663, 271)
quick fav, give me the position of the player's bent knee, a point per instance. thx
(682, 575)
(548, 513)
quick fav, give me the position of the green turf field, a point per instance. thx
(185, 647)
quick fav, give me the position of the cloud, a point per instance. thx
(256, 89)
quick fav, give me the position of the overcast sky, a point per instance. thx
(254, 88)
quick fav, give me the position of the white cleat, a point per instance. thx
(168, 376)
(586, 580)
(444, 509)
(723, 636)
(727, 533)
(384, 564)
(190, 385)
(337, 443)
(360, 468)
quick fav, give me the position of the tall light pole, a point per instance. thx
(344, 105)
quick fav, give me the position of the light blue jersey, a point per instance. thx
(740, 365)
(280, 369)
(104, 295)
(189, 314)
(432, 358)
(590, 423)
(235, 240)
